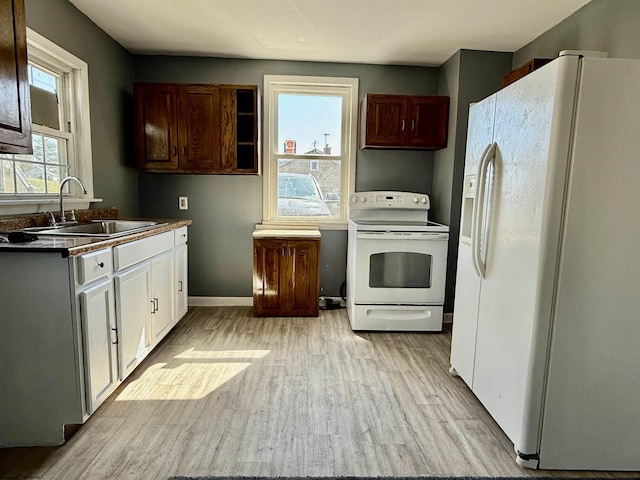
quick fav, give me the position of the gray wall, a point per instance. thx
(468, 76)
(225, 208)
(110, 90)
(612, 26)
(606, 25)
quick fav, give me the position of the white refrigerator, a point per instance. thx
(546, 328)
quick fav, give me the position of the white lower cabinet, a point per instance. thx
(181, 257)
(75, 330)
(162, 311)
(100, 336)
(133, 307)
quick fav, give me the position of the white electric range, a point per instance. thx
(396, 263)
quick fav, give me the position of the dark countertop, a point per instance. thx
(73, 246)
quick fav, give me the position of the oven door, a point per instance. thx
(400, 267)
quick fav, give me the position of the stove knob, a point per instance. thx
(415, 199)
(363, 199)
(423, 200)
(354, 199)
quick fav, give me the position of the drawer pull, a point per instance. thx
(180, 282)
(101, 264)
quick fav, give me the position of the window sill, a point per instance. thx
(38, 205)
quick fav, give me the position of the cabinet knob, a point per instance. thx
(101, 264)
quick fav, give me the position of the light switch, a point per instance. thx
(183, 203)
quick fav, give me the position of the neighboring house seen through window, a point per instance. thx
(310, 148)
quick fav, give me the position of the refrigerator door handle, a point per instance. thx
(487, 157)
(474, 212)
(477, 212)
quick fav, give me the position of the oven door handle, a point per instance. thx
(401, 236)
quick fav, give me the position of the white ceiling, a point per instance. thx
(400, 32)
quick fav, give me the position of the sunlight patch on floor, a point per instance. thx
(191, 375)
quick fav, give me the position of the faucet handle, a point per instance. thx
(52, 219)
(72, 216)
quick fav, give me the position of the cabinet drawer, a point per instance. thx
(134, 252)
(92, 266)
(180, 236)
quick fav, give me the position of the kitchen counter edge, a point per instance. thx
(74, 246)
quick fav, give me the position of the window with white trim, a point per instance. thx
(310, 149)
(59, 90)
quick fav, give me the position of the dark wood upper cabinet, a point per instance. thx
(196, 128)
(404, 121)
(15, 111)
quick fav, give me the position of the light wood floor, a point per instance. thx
(229, 394)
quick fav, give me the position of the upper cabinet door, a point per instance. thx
(15, 110)
(156, 127)
(385, 120)
(428, 122)
(199, 123)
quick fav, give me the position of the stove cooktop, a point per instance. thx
(397, 226)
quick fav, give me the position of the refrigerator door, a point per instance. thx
(592, 412)
(512, 244)
(480, 135)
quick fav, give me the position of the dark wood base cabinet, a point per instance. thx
(285, 277)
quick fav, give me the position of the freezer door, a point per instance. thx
(592, 409)
(463, 342)
(516, 193)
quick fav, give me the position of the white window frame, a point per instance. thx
(276, 84)
(44, 52)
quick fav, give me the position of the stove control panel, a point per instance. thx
(389, 200)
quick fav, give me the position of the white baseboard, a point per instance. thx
(448, 318)
(220, 301)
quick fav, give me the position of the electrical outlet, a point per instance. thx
(183, 203)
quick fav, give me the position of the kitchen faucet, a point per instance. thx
(63, 219)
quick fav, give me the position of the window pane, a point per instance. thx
(303, 192)
(309, 124)
(54, 175)
(38, 154)
(41, 79)
(6, 176)
(29, 177)
(54, 150)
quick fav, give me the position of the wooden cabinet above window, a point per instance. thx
(196, 128)
(15, 112)
(404, 122)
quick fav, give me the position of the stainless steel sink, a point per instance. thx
(97, 228)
